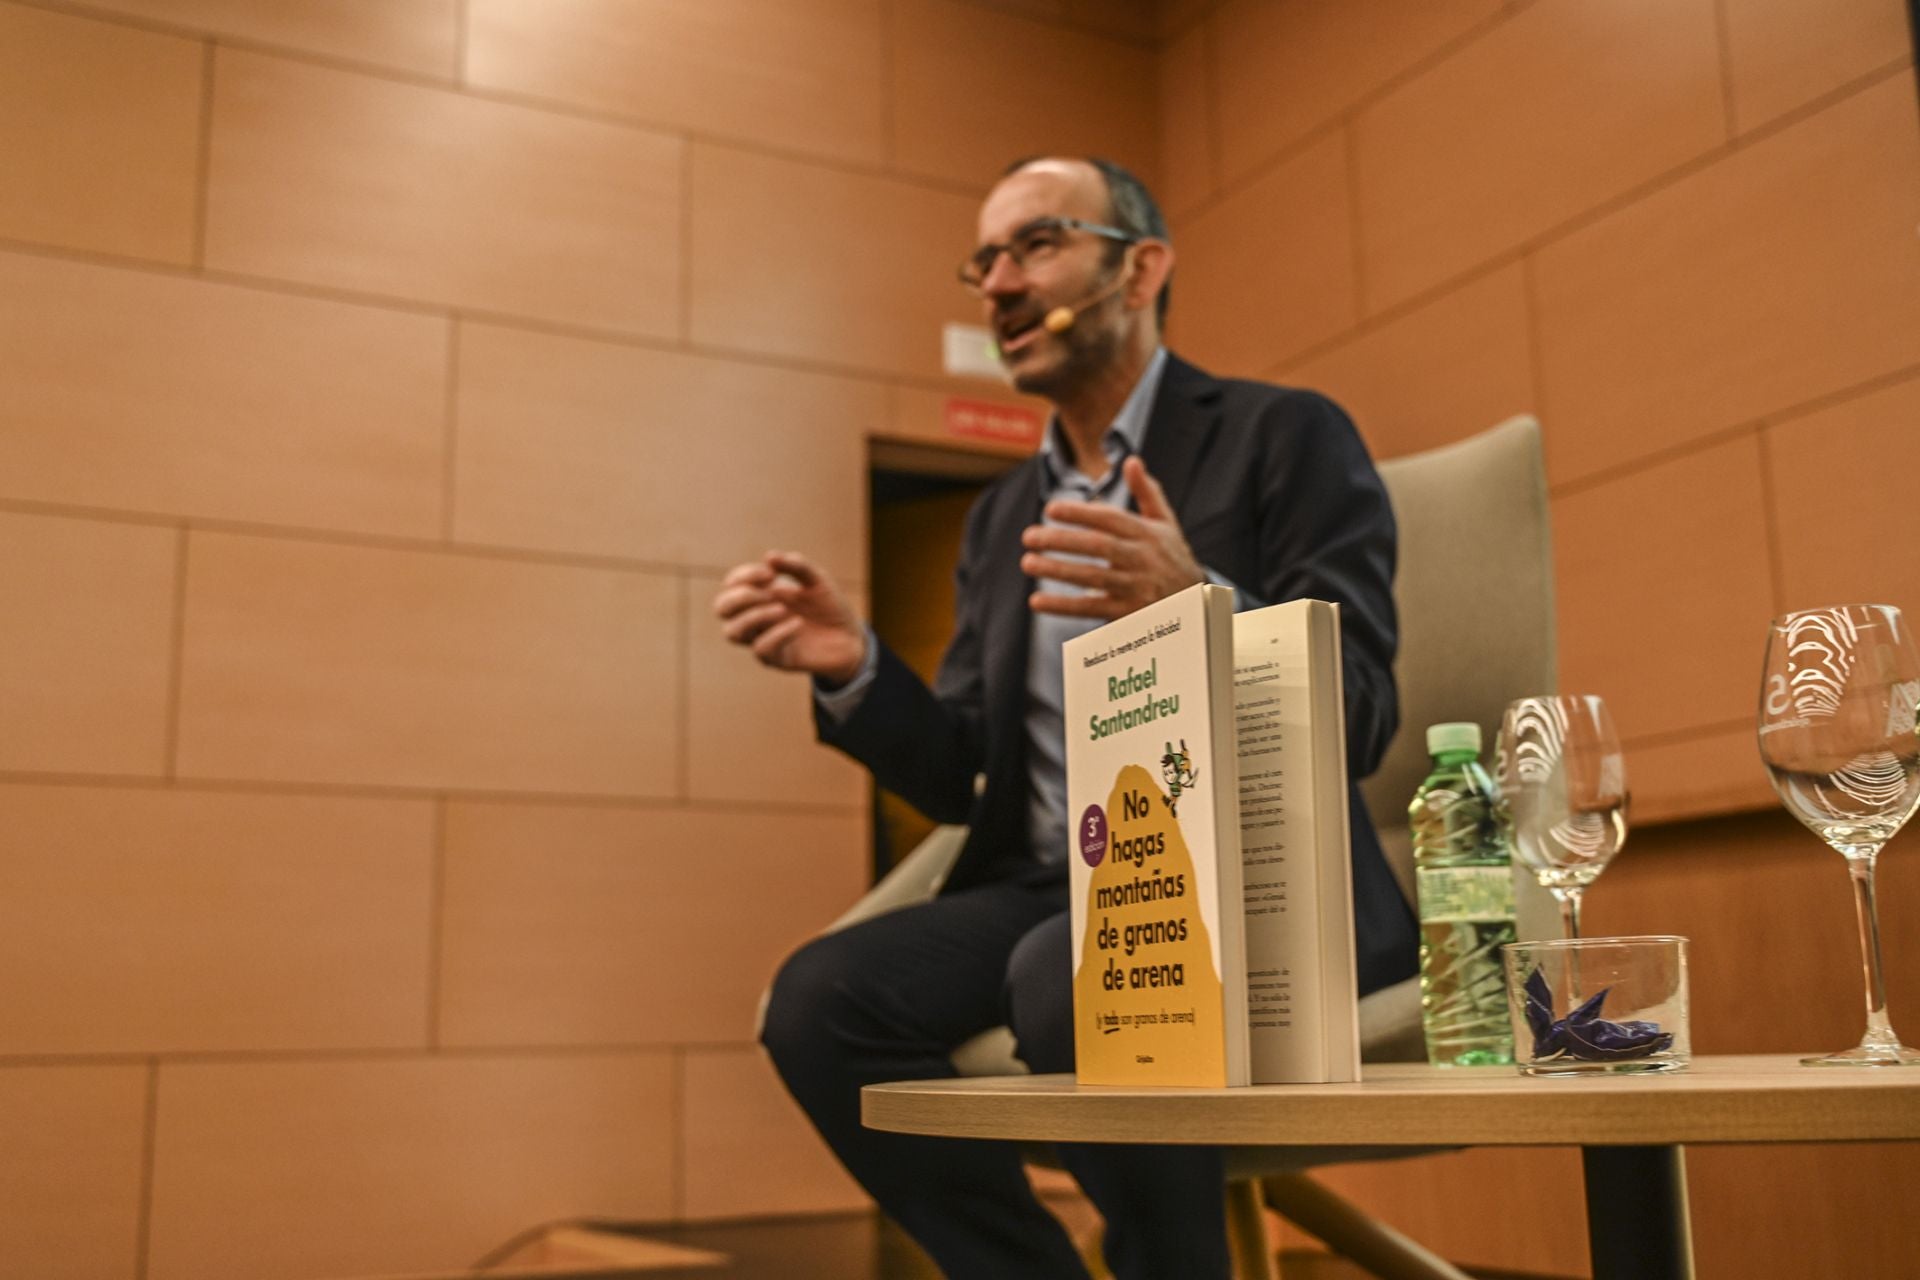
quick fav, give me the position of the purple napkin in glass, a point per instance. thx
(1585, 1036)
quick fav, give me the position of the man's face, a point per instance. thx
(1064, 269)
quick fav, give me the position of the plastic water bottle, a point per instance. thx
(1463, 867)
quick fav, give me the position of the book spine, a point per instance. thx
(1229, 882)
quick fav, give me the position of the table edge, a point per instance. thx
(1734, 1099)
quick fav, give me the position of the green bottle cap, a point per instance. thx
(1455, 735)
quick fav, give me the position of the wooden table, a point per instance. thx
(1631, 1128)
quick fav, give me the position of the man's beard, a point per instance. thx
(1088, 353)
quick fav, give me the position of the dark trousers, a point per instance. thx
(888, 999)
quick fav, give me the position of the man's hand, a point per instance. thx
(1146, 557)
(793, 617)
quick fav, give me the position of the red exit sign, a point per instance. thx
(986, 420)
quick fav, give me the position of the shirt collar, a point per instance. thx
(1124, 437)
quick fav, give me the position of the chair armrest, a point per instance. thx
(915, 879)
(1390, 1028)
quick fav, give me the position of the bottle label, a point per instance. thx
(1465, 893)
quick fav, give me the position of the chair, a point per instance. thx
(1475, 593)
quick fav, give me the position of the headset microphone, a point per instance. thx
(1061, 319)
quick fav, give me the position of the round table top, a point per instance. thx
(1717, 1099)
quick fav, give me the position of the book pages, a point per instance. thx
(1297, 879)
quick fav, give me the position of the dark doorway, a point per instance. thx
(918, 500)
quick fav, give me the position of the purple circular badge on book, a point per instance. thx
(1093, 835)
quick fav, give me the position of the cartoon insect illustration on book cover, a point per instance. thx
(1177, 771)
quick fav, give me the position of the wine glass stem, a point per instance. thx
(1569, 900)
(1860, 867)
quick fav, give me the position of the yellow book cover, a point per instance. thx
(1159, 986)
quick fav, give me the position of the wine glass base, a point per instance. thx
(1879, 1055)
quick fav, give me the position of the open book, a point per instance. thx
(1211, 889)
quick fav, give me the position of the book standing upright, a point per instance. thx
(1189, 732)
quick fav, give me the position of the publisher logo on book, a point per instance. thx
(1093, 835)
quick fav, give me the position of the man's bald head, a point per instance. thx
(1119, 199)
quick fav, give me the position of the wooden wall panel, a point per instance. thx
(418, 37)
(1563, 107)
(474, 204)
(153, 393)
(1664, 590)
(1704, 771)
(598, 926)
(1285, 70)
(1783, 54)
(798, 77)
(767, 281)
(974, 91)
(70, 1181)
(100, 126)
(597, 449)
(749, 1150)
(348, 665)
(173, 921)
(86, 618)
(1268, 271)
(1437, 374)
(321, 641)
(1741, 291)
(749, 732)
(1806, 1210)
(348, 1167)
(1188, 170)
(1843, 501)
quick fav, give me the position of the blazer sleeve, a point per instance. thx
(1326, 532)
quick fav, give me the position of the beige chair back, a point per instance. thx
(1475, 591)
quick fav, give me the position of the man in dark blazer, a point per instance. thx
(1154, 476)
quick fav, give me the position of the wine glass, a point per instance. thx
(1840, 734)
(1564, 782)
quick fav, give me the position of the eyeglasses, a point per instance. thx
(1033, 242)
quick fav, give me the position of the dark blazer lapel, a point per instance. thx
(1006, 589)
(1186, 413)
